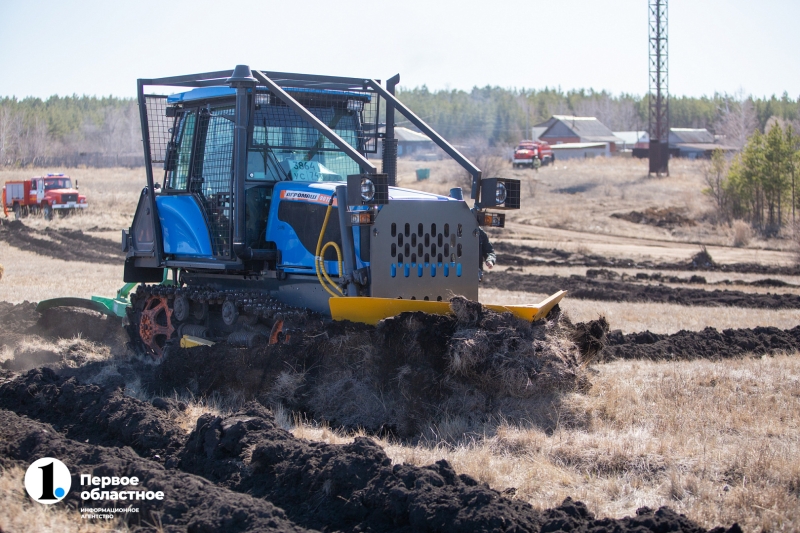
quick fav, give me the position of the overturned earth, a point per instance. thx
(242, 472)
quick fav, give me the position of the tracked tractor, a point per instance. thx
(261, 205)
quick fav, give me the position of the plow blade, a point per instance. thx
(373, 310)
(100, 307)
(108, 306)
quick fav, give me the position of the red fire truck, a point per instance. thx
(45, 194)
(527, 151)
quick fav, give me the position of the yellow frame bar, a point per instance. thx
(372, 310)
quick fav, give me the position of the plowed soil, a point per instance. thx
(708, 343)
(64, 244)
(399, 377)
(584, 288)
(668, 217)
(520, 255)
(243, 473)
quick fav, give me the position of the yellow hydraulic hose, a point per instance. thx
(319, 264)
(322, 263)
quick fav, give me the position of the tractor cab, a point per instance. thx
(265, 178)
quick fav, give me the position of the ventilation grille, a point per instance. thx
(424, 250)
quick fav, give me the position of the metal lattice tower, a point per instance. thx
(659, 88)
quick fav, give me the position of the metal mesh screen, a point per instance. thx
(212, 175)
(159, 128)
(284, 144)
(369, 120)
(353, 115)
(364, 107)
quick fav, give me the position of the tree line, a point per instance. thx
(103, 131)
(504, 116)
(759, 184)
(70, 131)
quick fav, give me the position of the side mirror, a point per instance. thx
(76, 185)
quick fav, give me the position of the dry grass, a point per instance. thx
(581, 195)
(19, 513)
(717, 441)
(742, 234)
(711, 277)
(656, 317)
(33, 277)
(112, 195)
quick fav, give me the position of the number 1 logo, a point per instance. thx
(47, 480)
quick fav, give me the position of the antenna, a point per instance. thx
(659, 89)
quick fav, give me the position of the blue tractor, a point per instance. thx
(262, 204)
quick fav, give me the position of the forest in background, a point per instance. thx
(104, 131)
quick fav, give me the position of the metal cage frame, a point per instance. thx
(242, 79)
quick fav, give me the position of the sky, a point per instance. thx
(100, 48)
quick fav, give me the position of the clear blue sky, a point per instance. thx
(101, 47)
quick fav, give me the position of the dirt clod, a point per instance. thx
(91, 413)
(190, 503)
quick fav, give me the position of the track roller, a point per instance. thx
(249, 339)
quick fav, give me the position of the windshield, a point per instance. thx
(285, 147)
(57, 183)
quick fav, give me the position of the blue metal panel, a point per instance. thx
(294, 256)
(200, 94)
(214, 92)
(183, 226)
(361, 96)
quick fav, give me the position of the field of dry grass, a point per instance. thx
(33, 277)
(580, 195)
(112, 195)
(656, 317)
(717, 441)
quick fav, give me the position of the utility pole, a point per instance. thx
(659, 89)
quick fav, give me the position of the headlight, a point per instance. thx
(500, 194)
(367, 190)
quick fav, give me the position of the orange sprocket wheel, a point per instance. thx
(155, 325)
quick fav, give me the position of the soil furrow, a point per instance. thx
(190, 502)
(67, 245)
(520, 255)
(583, 288)
(708, 343)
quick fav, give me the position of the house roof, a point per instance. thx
(632, 137)
(537, 131)
(704, 147)
(406, 135)
(689, 135)
(588, 129)
(567, 146)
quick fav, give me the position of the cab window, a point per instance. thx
(179, 178)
